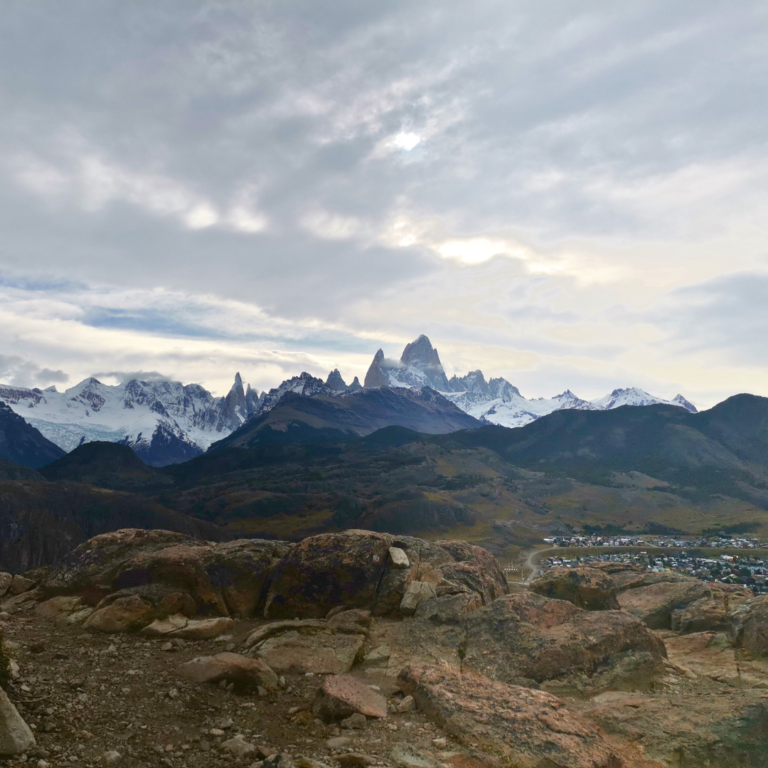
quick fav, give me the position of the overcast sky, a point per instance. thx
(570, 195)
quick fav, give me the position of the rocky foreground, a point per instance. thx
(150, 648)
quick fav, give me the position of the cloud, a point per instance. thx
(122, 377)
(284, 186)
(16, 370)
(47, 376)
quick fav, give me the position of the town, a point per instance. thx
(687, 557)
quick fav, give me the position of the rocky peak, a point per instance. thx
(684, 403)
(335, 382)
(376, 376)
(422, 355)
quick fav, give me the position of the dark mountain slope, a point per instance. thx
(720, 451)
(326, 418)
(22, 444)
(107, 465)
(11, 471)
(41, 521)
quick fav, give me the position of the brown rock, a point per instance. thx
(15, 735)
(711, 613)
(587, 588)
(749, 626)
(20, 584)
(64, 604)
(275, 628)
(220, 579)
(476, 568)
(654, 604)
(328, 570)
(529, 637)
(125, 614)
(244, 672)
(204, 629)
(526, 728)
(324, 653)
(355, 619)
(417, 593)
(343, 695)
(691, 730)
(5, 583)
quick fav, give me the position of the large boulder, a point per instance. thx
(5, 583)
(321, 653)
(688, 729)
(523, 727)
(475, 568)
(749, 626)
(655, 603)
(329, 570)
(713, 612)
(15, 735)
(244, 673)
(585, 587)
(526, 637)
(341, 696)
(228, 579)
(356, 569)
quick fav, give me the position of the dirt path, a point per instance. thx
(532, 562)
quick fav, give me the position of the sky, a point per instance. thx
(569, 195)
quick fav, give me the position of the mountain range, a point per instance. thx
(495, 401)
(167, 422)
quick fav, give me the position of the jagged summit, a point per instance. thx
(419, 366)
(335, 382)
(495, 400)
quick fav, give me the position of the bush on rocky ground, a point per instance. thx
(5, 664)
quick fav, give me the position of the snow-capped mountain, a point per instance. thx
(496, 401)
(163, 421)
(166, 422)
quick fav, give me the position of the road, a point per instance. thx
(532, 562)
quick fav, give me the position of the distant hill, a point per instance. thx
(723, 450)
(325, 418)
(22, 444)
(41, 521)
(11, 471)
(107, 465)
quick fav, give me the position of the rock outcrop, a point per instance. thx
(244, 673)
(585, 587)
(341, 696)
(749, 626)
(168, 573)
(526, 639)
(15, 735)
(689, 730)
(522, 727)
(355, 569)
(683, 604)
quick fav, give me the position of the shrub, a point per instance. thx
(5, 665)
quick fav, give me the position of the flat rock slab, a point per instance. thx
(407, 756)
(275, 628)
(244, 672)
(204, 629)
(654, 604)
(587, 588)
(15, 735)
(526, 727)
(322, 653)
(341, 696)
(727, 730)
